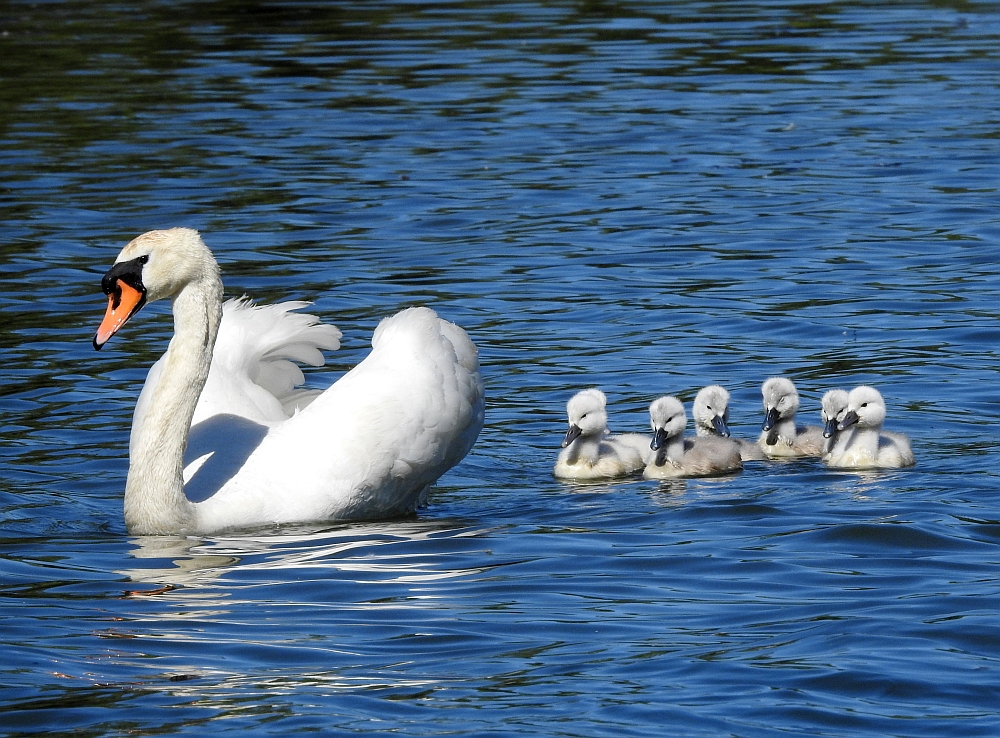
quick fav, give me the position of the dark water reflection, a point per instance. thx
(643, 196)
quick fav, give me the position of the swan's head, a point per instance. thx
(781, 400)
(711, 410)
(865, 408)
(587, 415)
(833, 409)
(668, 419)
(155, 265)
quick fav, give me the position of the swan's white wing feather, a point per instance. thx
(371, 444)
(253, 359)
(252, 374)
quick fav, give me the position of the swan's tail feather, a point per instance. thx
(449, 355)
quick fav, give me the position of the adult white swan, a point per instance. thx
(259, 451)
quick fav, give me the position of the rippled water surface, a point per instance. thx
(643, 197)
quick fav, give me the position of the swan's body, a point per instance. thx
(259, 450)
(710, 412)
(833, 408)
(869, 447)
(589, 451)
(676, 456)
(780, 437)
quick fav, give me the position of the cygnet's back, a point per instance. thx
(869, 447)
(710, 412)
(589, 452)
(780, 437)
(677, 456)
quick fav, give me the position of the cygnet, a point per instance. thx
(677, 456)
(710, 413)
(869, 447)
(780, 437)
(833, 408)
(589, 451)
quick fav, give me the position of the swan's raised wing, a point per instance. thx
(372, 443)
(253, 374)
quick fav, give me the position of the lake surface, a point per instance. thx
(642, 197)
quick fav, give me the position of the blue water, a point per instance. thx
(642, 197)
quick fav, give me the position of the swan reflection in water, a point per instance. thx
(188, 566)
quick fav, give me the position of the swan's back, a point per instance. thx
(371, 444)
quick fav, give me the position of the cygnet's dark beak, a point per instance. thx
(659, 438)
(850, 419)
(770, 419)
(719, 423)
(830, 428)
(571, 435)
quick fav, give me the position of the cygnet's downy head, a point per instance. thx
(668, 419)
(833, 409)
(781, 400)
(711, 411)
(865, 408)
(587, 415)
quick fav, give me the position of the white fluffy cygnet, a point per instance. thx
(589, 451)
(833, 408)
(710, 413)
(780, 436)
(677, 456)
(870, 447)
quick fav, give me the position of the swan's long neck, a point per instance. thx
(154, 493)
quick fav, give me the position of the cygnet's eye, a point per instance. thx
(864, 404)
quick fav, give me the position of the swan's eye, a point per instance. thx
(864, 404)
(144, 258)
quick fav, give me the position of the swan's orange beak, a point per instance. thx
(124, 301)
